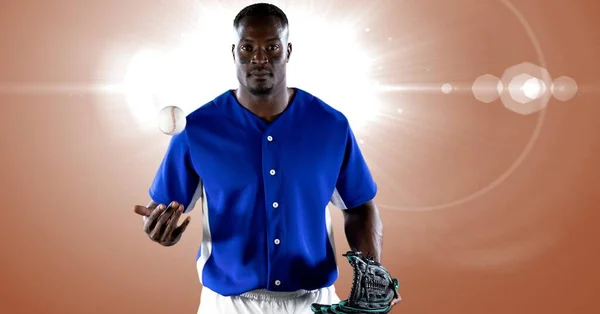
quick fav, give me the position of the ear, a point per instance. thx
(233, 52)
(289, 52)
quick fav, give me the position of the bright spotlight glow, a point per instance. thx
(187, 76)
(201, 67)
(143, 80)
(532, 88)
(326, 72)
(340, 79)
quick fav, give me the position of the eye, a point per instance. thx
(246, 48)
(273, 48)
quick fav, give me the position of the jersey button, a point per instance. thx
(277, 241)
(277, 282)
(275, 204)
(272, 172)
(269, 138)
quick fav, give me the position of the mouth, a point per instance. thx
(260, 73)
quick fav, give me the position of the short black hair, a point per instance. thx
(261, 10)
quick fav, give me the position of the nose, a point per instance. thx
(260, 57)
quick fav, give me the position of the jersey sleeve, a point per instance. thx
(355, 185)
(176, 179)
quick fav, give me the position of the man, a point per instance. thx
(265, 160)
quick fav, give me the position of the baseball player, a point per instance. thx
(262, 162)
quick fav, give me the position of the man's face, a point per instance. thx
(261, 54)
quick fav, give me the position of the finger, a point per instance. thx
(149, 224)
(164, 218)
(161, 224)
(179, 230)
(142, 210)
(172, 224)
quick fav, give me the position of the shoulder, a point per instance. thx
(203, 121)
(322, 111)
(209, 110)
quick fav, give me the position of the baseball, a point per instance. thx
(171, 120)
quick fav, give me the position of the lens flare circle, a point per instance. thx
(529, 146)
(564, 88)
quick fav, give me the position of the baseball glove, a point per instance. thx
(373, 289)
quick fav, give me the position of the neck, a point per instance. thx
(267, 107)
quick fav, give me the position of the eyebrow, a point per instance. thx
(268, 40)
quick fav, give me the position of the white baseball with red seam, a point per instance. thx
(171, 120)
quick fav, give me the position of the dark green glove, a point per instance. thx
(373, 289)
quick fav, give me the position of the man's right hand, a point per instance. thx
(160, 222)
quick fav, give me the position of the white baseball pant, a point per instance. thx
(265, 302)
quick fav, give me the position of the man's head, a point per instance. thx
(261, 49)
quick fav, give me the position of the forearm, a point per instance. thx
(364, 230)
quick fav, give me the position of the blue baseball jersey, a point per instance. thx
(265, 190)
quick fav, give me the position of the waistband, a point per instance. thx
(262, 294)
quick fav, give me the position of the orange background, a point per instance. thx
(72, 166)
